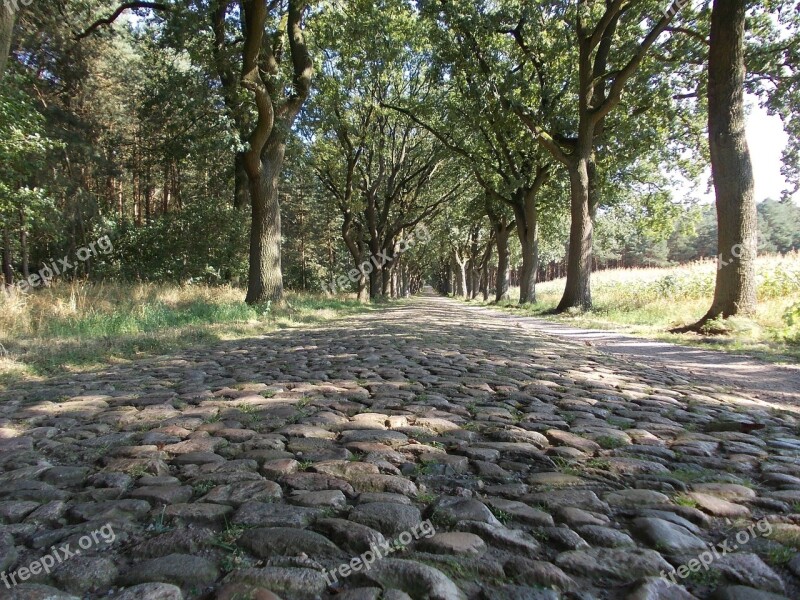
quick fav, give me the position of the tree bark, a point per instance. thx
(484, 275)
(23, 243)
(265, 282)
(527, 220)
(7, 17)
(731, 168)
(577, 291)
(8, 271)
(501, 283)
(356, 248)
(266, 144)
(460, 273)
(241, 193)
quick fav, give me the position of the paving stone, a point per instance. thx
(288, 582)
(83, 574)
(348, 535)
(238, 591)
(326, 498)
(416, 579)
(197, 513)
(512, 540)
(564, 438)
(740, 592)
(178, 569)
(453, 509)
(179, 540)
(270, 542)
(170, 494)
(718, 507)
(36, 591)
(657, 588)
(620, 564)
(388, 518)
(636, 498)
(8, 551)
(606, 537)
(667, 537)
(749, 570)
(538, 573)
(454, 542)
(151, 591)
(15, 511)
(273, 515)
(521, 511)
(236, 494)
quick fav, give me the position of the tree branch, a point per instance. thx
(108, 21)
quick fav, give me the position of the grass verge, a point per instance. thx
(648, 302)
(79, 327)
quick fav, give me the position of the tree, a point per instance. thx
(565, 85)
(7, 17)
(266, 145)
(501, 227)
(610, 51)
(731, 168)
(385, 174)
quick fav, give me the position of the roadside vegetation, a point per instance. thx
(77, 326)
(649, 302)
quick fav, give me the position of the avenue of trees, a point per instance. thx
(373, 145)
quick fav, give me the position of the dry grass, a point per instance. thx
(648, 302)
(76, 326)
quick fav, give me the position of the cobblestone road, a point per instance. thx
(265, 467)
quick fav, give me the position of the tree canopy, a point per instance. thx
(366, 147)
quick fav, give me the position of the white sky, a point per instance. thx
(767, 139)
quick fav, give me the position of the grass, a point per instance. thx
(682, 500)
(649, 302)
(79, 327)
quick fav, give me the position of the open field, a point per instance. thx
(81, 326)
(648, 302)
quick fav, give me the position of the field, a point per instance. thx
(78, 326)
(648, 302)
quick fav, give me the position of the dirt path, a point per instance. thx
(759, 379)
(251, 469)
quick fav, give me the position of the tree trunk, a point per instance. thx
(386, 280)
(732, 171)
(376, 283)
(528, 232)
(356, 247)
(485, 281)
(577, 292)
(460, 272)
(8, 272)
(265, 281)
(501, 284)
(7, 17)
(23, 243)
(241, 193)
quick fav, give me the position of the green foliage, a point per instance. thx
(176, 247)
(792, 319)
(24, 146)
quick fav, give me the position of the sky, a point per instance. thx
(767, 139)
